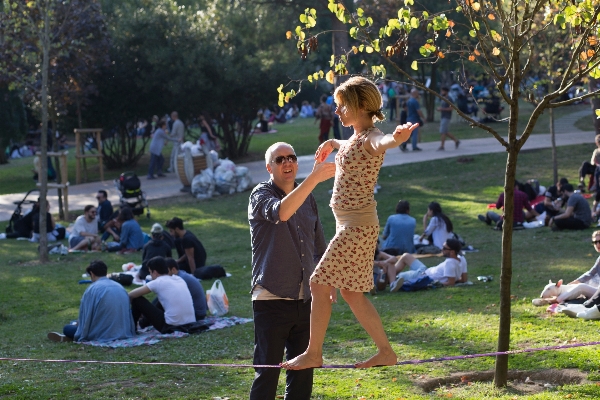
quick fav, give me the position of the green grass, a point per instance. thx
(36, 299)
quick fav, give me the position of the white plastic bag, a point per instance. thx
(216, 299)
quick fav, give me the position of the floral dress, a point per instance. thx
(348, 261)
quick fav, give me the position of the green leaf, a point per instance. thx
(595, 73)
(315, 76)
(409, 2)
(362, 21)
(302, 35)
(353, 32)
(298, 30)
(476, 25)
(597, 112)
(370, 21)
(361, 48)
(425, 15)
(414, 66)
(360, 12)
(376, 45)
(303, 18)
(313, 12)
(369, 49)
(311, 21)
(459, 9)
(310, 78)
(414, 23)
(333, 7)
(472, 33)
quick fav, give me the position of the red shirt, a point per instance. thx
(521, 201)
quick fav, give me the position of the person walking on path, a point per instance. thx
(177, 133)
(446, 115)
(414, 116)
(325, 114)
(348, 261)
(287, 241)
(158, 142)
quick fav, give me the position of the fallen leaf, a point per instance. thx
(394, 379)
(464, 379)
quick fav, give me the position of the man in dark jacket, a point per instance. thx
(155, 247)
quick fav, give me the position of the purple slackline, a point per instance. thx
(433, 359)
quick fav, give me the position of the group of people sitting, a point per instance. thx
(397, 262)
(107, 312)
(563, 207)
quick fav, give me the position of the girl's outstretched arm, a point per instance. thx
(378, 144)
(326, 148)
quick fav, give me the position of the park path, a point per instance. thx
(83, 194)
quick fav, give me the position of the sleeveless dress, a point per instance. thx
(348, 261)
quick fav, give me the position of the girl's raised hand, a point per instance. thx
(323, 151)
(403, 132)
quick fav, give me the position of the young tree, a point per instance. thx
(501, 38)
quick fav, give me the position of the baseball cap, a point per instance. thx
(156, 228)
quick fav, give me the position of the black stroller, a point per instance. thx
(131, 194)
(21, 225)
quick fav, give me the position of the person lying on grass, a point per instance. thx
(447, 273)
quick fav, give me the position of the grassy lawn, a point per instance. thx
(36, 299)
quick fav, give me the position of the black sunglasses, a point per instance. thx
(291, 159)
(596, 241)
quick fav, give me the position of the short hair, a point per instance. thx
(402, 207)
(563, 181)
(595, 233)
(271, 149)
(161, 123)
(454, 244)
(174, 223)
(171, 263)
(175, 114)
(158, 264)
(568, 188)
(103, 193)
(88, 208)
(125, 214)
(445, 89)
(360, 93)
(97, 267)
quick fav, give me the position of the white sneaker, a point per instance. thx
(591, 313)
(396, 285)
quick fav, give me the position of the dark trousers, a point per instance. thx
(336, 127)
(280, 325)
(570, 223)
(586, 169)
(392, 104)
(156, 164)
(154, 315)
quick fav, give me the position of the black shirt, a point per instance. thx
(187, 241)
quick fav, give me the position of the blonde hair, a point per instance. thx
(359, 93)
(596, 233)
(597, 139)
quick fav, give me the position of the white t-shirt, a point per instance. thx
(450, 268)
(175, 297)
(463, 264)
(81, 225)
(438, 231)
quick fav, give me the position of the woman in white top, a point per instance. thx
(439, 227)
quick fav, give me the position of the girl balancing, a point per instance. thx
(348, 261)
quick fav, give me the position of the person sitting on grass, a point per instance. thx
(84, 235)
(104, 313)
(577, 215)
(154, 248)
(439, 228)
(173, 294)
(447, 273)
(399, 231)
(520, 201)
(194, 286)
(190, 250)
(131, 238)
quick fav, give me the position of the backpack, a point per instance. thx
(419, 284)
(391, 93)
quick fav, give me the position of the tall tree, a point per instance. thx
(501, 40)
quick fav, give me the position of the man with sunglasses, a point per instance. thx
(287, 242)
(447, 273)
(84, 235)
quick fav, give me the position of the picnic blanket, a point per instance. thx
(150, 335)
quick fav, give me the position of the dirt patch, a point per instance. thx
(519, 381)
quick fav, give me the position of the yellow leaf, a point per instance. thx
(414, 66)
(448, 33)
(354, 49)
(597, 111)
(583, 55)
(369, 49)
(288, 35)
(394, 379)
(476, 6)
(491, 16)
(287, 98)
(495, 51)
(330, 76)
(441, 55)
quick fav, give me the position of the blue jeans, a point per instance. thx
(156, 164)
(70, 330)
(414, 136)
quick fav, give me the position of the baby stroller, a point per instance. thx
(21, 225)
(131, 194)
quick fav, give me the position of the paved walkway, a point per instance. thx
(81, 195)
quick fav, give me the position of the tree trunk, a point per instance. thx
(43, 175)
(553, 140)
(595, 105)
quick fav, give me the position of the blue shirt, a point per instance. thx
(413, 107)
(197, 292)
(398, 232)
(131, 236)
(104, 313)
(284, 254)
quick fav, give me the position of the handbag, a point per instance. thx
(216, 299)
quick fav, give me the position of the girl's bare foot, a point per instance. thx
(303, 361)
(379, 360)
